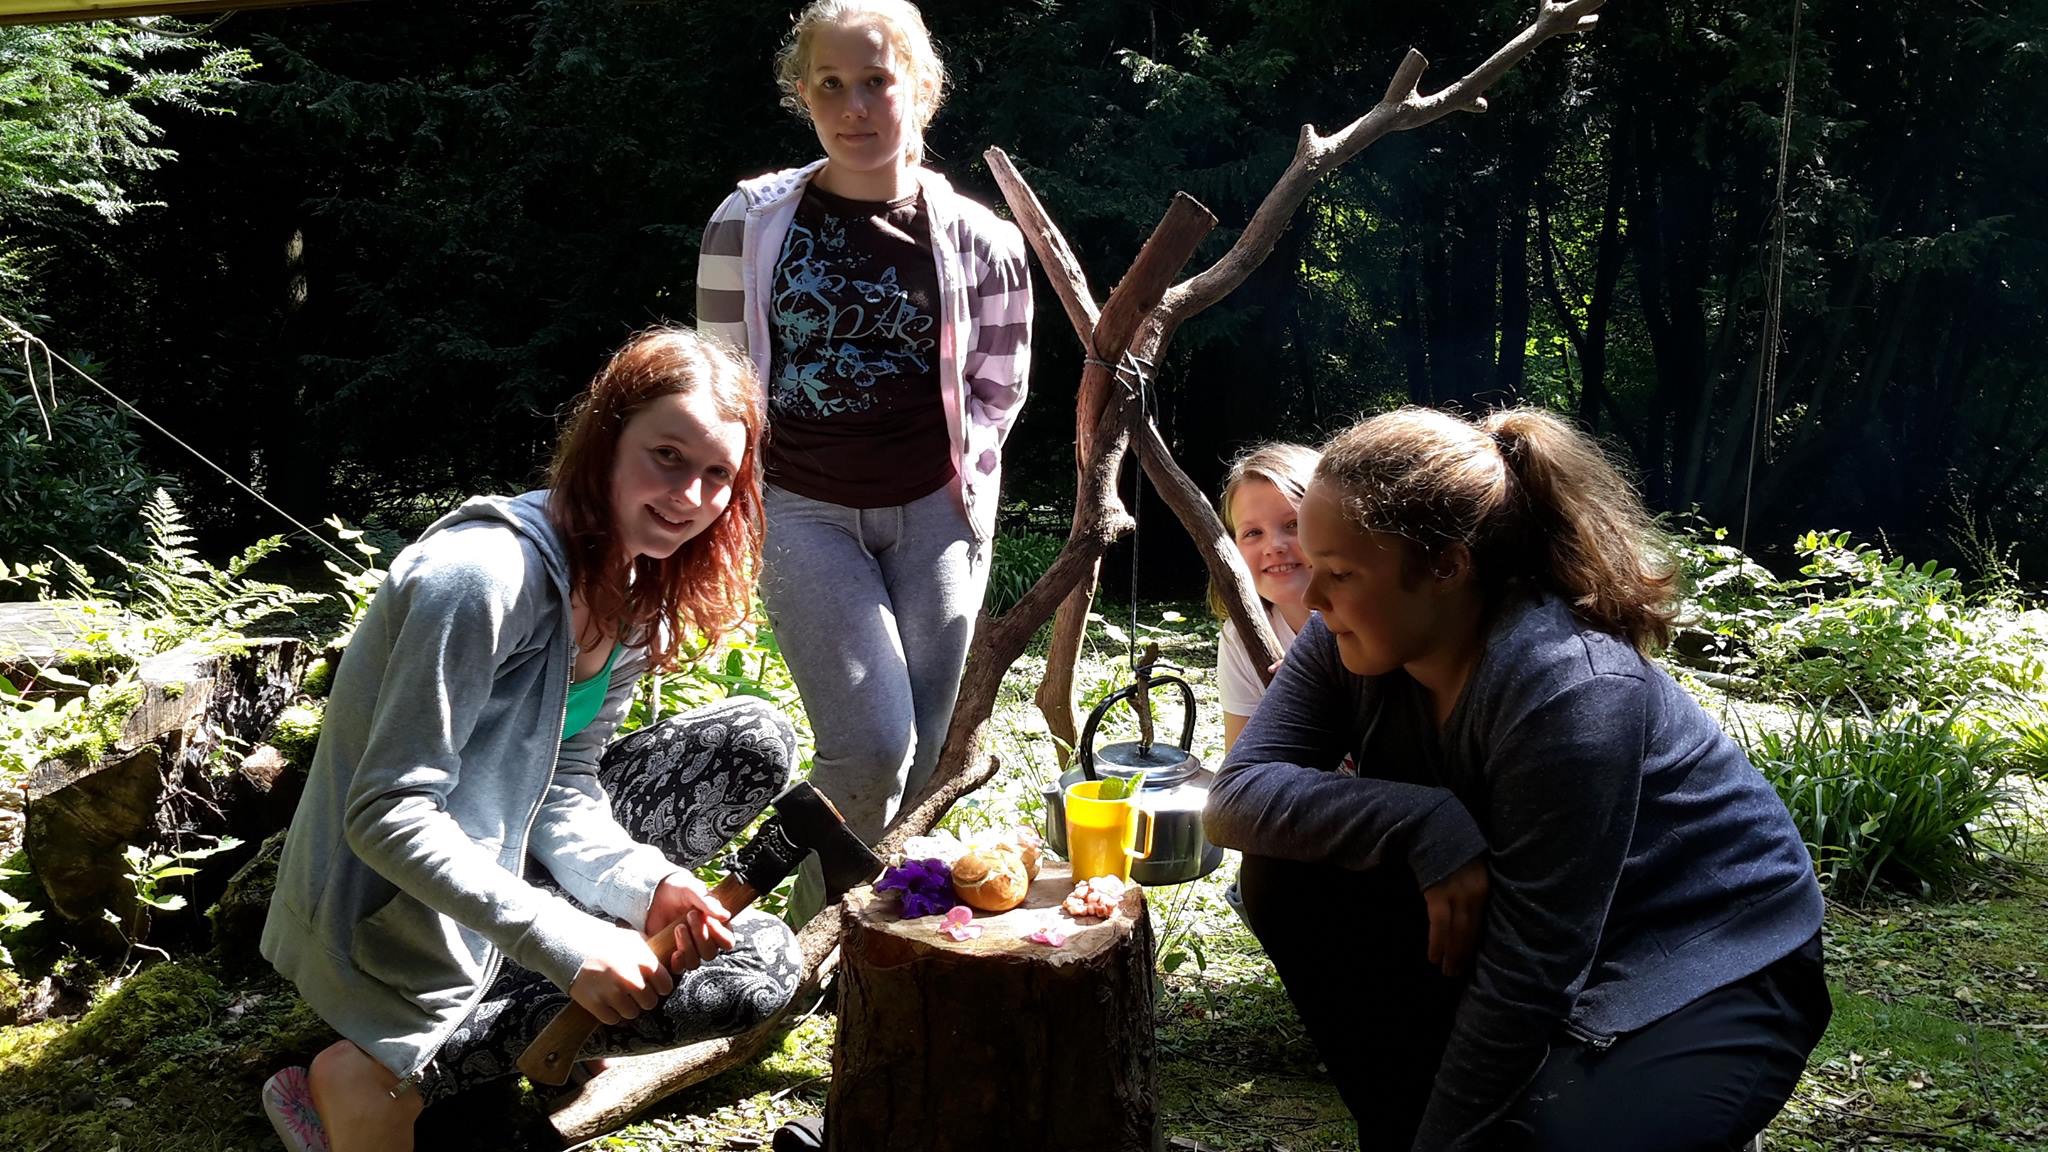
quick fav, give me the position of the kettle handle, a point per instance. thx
(1086, 752)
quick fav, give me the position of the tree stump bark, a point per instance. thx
(167, 776)
(997, 1042)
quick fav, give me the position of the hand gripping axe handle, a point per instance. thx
(804, 822)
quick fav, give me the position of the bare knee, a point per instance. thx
(340, 1071)
(352, 1094)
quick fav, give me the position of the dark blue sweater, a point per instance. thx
(1638, 861)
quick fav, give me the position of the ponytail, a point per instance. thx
(1535, 501)
(1599, 547)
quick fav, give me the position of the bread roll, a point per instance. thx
(991, 879)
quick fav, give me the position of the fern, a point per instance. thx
(176, 597)
(358, 587)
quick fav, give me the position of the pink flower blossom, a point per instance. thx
(1050, 935)
(959, 923)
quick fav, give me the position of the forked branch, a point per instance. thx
(1404, 107)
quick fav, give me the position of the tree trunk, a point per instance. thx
(999, 1042)
(166, 777)
(1509, 365)
(1413, 334)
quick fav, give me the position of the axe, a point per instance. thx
(804, 822)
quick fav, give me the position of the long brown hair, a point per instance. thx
(1535, 500)
(705, 587)
(1287, 467)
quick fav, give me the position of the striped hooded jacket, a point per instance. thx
(985, 290)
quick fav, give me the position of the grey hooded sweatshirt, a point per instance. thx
(441, 768)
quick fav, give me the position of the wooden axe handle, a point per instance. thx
(548, 1058)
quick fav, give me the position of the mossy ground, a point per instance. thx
(1940, 1037)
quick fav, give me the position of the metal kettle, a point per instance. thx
(1176, 785)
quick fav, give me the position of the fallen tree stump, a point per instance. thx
(170, 776)
(40, 634)
(998, 1042)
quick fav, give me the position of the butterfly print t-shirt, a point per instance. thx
(855, 413)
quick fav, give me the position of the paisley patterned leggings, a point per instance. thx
(686, 785)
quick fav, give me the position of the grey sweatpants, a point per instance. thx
(873, 609)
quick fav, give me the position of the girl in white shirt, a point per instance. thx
(1258, 506)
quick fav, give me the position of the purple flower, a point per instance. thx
(926, 885)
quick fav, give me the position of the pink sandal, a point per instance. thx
(288, 1101)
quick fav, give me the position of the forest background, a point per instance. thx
(374, 282)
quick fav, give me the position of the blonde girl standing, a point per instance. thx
(890, 318)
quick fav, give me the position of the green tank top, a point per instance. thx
(586, 697)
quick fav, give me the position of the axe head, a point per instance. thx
(806, 822)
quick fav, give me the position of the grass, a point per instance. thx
(1940, 1035)
(1940, 1038)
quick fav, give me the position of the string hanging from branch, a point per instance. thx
(1764, 406)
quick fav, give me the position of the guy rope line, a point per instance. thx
(30, 341)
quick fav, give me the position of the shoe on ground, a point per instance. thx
(805, 1135)
(1234, 897)
(288, 1101)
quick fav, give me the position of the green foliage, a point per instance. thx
(1899, 797)
(73, 97)
(1730, 599)
(74, 119)
(151, 873)
(1871, 627)
(747, 663)
(79, 486)
(297, 733)
(1121, 787)
(188, 598)
(15, 914)
(1020, 559)
(171, 596)
(169, 1059)
(1855, 626)
(358, 587)
(2027, 731)
(167, 597)
(319, 679)
(36, 727)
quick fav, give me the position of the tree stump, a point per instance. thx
(170, 774)
(997, 1042)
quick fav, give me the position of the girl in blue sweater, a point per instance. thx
(1555, 907)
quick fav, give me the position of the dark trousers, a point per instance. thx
(686, 785)
(1351, 948)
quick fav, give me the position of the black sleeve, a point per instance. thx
(1276, 795)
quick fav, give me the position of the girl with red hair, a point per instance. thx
(473, 851)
